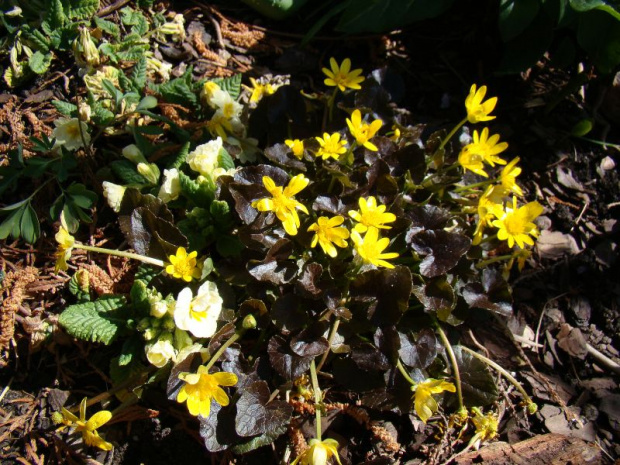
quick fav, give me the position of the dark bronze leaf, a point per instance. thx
(288, 314)
(368, 358)
(288, 364)
(492, 294)
(436, 294)
(478, 384)
(442, 250)
(281, 155)
(307, 284)
(256, 415)
(311, 341)
(421, 352)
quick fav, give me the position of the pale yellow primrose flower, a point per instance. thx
(371, 215)
(171, 187)
(371, 248)
(199, 314)
(204, 158)
(477, 110)
(318, 453)
(282, 202)
(363, 132)
(89, 427)
(209, 89)
(508, 177)
(424, 403)
(487, 147)
(342, 76)
(516, 224)
(296, 146)
(114, 194)
(223, 102)
(68, 133)
(183, 265)
(331, 146)
(329, 232)
(161, 351)
(201, 387)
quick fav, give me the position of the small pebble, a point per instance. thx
(608, 164)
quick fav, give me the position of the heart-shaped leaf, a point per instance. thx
(285, 361)
(256, 415)
(419, 352)
(442, 250)
(492, 294)
(478, 385)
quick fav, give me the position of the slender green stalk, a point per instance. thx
(495, 259)
(330, 340)
(119, 253)
(451, 133)
(455, 366)
(403, 372)
(223, 348)
(503, 372)
(317, 399)
(478, 184)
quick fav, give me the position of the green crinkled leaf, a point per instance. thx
(107, 26)
(232, 85)
(66, 108)
(180, 157)
(477, 381)
(199, 193)
(224, 160)
(81, 9)
(40, 40)
(131, 350)
(102, 116)
(55, 17)
(126, 172)
(94, 321)
(40, 62)
(140, 297)
(178, 90)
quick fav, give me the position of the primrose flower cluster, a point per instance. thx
(336, 235)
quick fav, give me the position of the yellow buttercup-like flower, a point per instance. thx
(318, 453)
(363, 132)
(282, 202)
(488, 203)
(331, 146)
(472, 161)
(516, 224)
(371, 248)
(201, 387)
(89, 427)
(477, 110)
(65, 246)
(371, 215)
(508, 177)
(329, 232)
(487, 147)
(259, 90)
(296, 146)
(342, 76)
(486, 426)
(183, 265)
(424, 403)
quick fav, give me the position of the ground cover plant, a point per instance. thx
(289, 258)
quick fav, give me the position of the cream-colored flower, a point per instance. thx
(150, 171)
(171, 187)
(204, 158)
(199, 314)
(223, 102)
(71, 133)
(113, 194)
(209, 89)
(161, 352)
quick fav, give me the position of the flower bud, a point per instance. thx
(114, 195)
(161, 352)
(133, 154)
(151, 333)
(249, 322)
(150, 171)
(171, 187)
(159, 309)
(85, 112)
(85, 50)
(144, 324)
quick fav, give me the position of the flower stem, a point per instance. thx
(119, 253)
(403, 372)
(451, 133)
(330, 340)
(495, 259)
(223, 348)
(317, 398)
(503, 372)
(478, 184)
(455, 367)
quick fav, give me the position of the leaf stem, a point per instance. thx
(317, 399)
(450, 134)
(403, 372)
(119, 253)
(330, 340)
(223, 348)
(497, 258)
(455, 367)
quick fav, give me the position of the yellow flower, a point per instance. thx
(209, 89)
(424, 403)
(65, 246)
(370, 248)
(515, 224)
(219, 126)
(201, 387)
(282, 202)
(371, 215)
(259, 90)
(477, 110)
(520, 255)
(183, 265)
(486, 426)
(296, 146)
(88, 428)
(342, 76)
(363, 132)
(319, 453)
(488, 203)
(472, 161)
(331, 146)
(508, 177)
(487, 147)
(395, 136)
(328, 232)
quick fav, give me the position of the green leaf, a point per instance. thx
(224, 160)
(96, 321)
(81, 9)
(178, 90)
(29, 225)
(477, 381)
(515, 16)
(131, 350)
(140, 297)
(40, 40)
(138, 77)
(180, 157)
(126, 172)
(39, 62)
(599, 35)
(11, 224)
(200, 194)
(66, 108)
(81, 196)
(585, 5)
(55, 17)
(141, 27)
(232, 85)
(107, 26)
